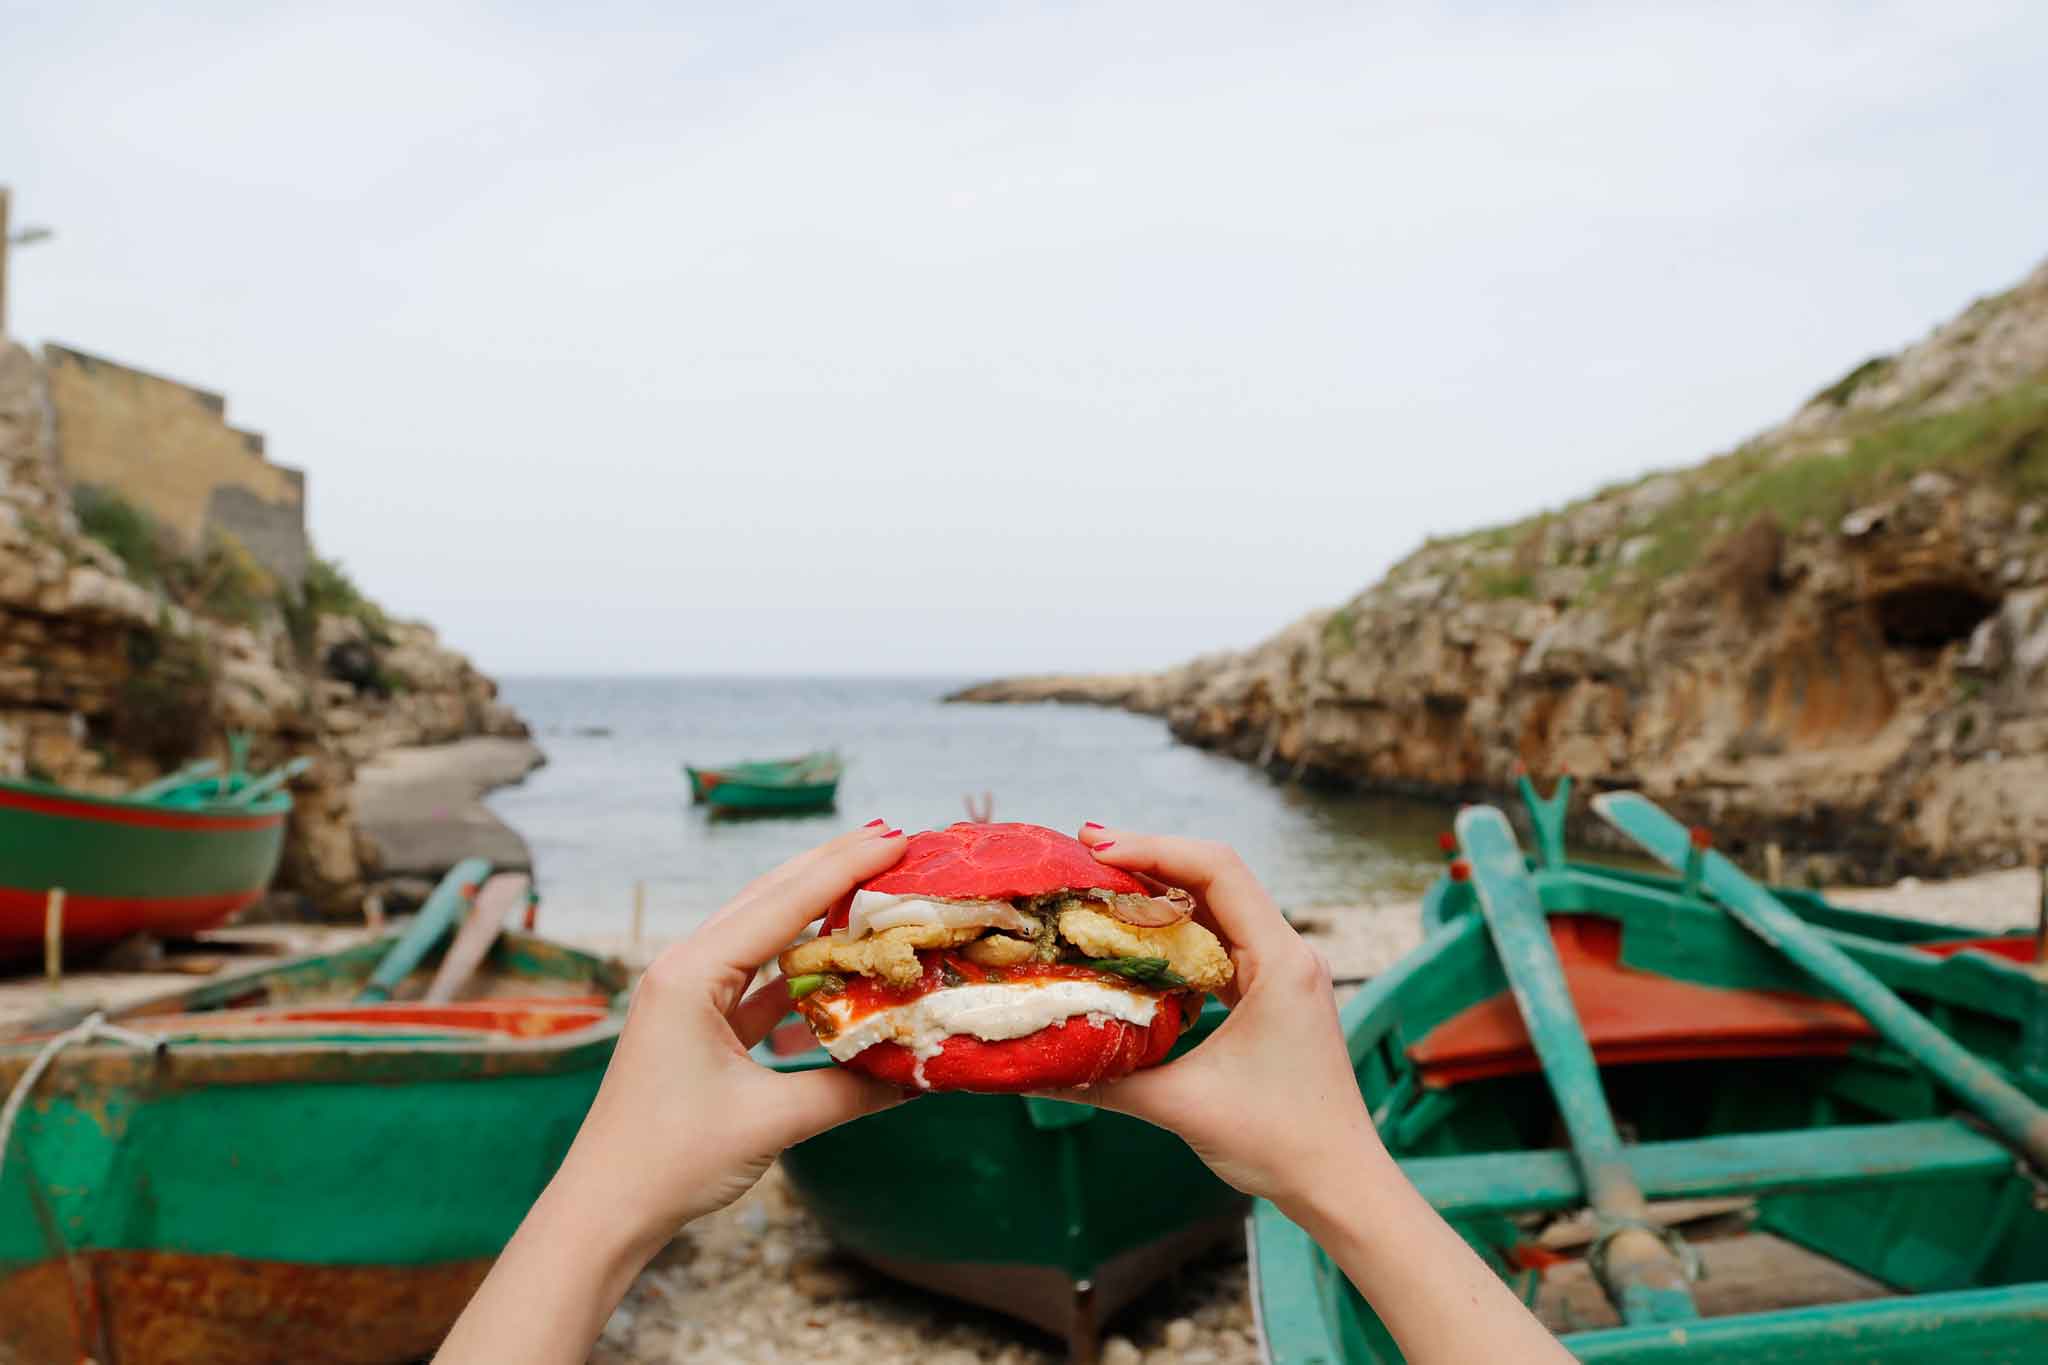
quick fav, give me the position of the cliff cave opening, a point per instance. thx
(1928, 615)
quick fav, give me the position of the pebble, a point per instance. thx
(1180, 1334)
(1121, 1351)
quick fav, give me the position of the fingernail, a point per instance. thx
(1106, 843)
(1093, 825)
(874, 824)
(893, 834)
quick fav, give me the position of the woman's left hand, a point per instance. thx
(685, 1121)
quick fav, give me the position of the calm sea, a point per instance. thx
(612, 807)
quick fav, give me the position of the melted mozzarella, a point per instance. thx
(873, 911)
(990, 1013)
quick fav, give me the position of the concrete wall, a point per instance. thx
(167, 448)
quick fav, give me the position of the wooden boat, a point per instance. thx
(768, 770)
(265, 1170)
(1023, 1205)
(173, 862)
(1872, 1121)
(812, 785)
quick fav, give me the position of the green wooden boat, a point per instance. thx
(1023, 1205)
(811, 784)
(184, 858)
(1656, 1048)
(266, 1171)
(768, 771)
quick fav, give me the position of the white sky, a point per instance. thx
(971, 338)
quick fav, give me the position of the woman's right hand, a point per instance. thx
(1269, 1100)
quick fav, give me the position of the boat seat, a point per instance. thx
(1857, 1155)
(1631, 1016)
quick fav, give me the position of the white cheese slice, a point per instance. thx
(990, 1013)
(874, 911)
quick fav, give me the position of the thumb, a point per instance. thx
(808, 1103)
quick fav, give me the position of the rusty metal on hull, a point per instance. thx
(159, 1307)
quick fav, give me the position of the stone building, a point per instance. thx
(167, 447)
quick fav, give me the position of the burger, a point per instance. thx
(1004, 958)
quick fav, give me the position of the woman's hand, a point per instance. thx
(1269, 1100)
(685, 1121)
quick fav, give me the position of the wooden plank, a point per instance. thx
(1640, 1273)
(1749, 1163)
(433, 923)
(500, 896)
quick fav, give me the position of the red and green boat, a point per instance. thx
(1577, 1056)
(177, 858)
(264, 1169)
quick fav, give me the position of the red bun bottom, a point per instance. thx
(1062, 1056)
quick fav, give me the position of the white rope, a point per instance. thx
(93, 1027)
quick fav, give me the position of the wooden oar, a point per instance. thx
(269, 782)
(1637, 1267)
(191, 772)
(428, 928)
(501, 895)
(1988, 1094)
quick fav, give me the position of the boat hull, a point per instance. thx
(289, 1186)
(737, 796)
(128, 867)
(1847, 1149)
(1022, 1205)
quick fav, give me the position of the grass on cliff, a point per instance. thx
(2002, 441)
(223, 580)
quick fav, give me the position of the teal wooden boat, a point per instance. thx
(1871, 1088)
(262, 1168)
(1023, 1205)
(809, 784)
(772, 772)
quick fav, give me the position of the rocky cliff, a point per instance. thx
(1834, 637)
(115, 667)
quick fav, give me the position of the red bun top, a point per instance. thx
(998, 863)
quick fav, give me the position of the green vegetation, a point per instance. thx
(2002, 440)
(331, 592)
(1838, 392)
(1497, 584)
(166, 701)
(131, 533)
(1340, 632)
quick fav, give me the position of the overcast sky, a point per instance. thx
(954, 337)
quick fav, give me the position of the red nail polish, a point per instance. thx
(893, 834)
(874, 824)
(1106, 843)
(1092, 825)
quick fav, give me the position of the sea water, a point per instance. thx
(611, 809)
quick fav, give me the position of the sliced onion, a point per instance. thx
(873, 911)
(1171, 906)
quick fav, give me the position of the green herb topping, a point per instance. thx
(1148, 971)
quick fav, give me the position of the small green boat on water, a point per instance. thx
(1864, 1092)
(1023, 1205)
(778, 786)
(263, 1169)
(172, 858)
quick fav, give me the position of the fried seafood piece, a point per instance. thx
(890, 954)
(1000, 950)
(1188, 948)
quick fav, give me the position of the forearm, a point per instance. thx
(1442, 1304)
(552, 1289)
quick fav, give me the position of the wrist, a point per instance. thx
(619, 1233)
(1345, 1189)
